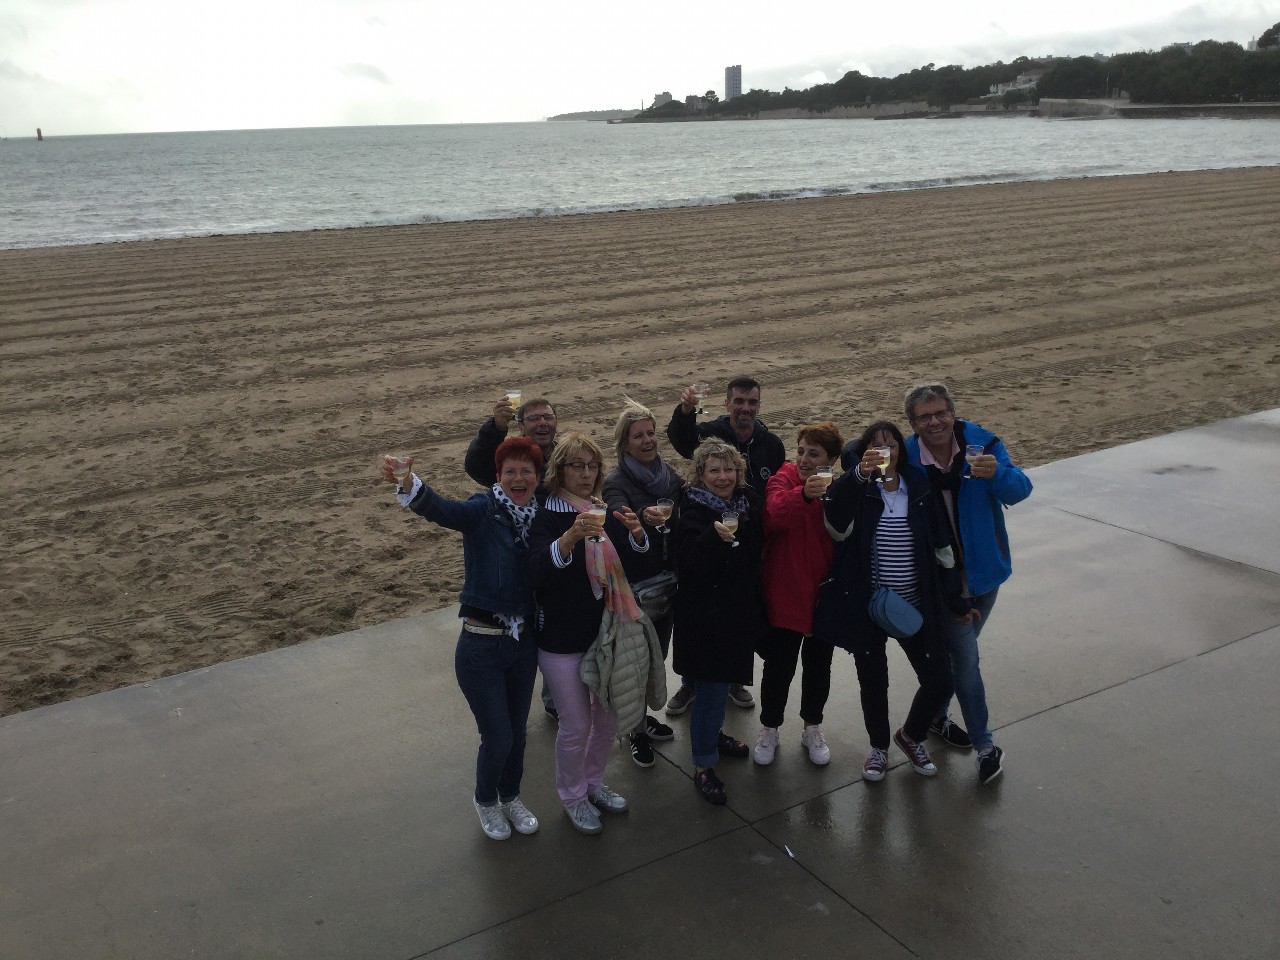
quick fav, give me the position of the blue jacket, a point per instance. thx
(495, 561)
(984, 542)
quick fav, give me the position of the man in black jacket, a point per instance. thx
(740, 426)
(763, 450)
(535, 419)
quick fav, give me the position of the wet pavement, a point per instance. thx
(314, 802)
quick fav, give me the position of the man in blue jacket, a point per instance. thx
(970, 469)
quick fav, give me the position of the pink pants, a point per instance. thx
(586, 731)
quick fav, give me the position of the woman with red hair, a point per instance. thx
(497, 656)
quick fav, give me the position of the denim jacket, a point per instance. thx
(495, 561)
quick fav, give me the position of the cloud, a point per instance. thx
(10, 71)
(364, 71)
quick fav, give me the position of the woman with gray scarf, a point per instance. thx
(642, 479)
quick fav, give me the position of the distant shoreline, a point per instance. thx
(1052, 108)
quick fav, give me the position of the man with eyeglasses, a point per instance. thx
(970, 469)
(535, 419)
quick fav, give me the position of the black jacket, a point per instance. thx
(479, 459)
(854, 507)
(719, 611)
(763, 450)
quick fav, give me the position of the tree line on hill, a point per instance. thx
(1209, 72)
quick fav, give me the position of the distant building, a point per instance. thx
(1253, 44)
(733, 82)
(695, 102)
(660, 98)
(1024, 81)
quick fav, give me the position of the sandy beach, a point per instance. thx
(192, 427)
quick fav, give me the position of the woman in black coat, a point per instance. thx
(892, 531)
(719, 612)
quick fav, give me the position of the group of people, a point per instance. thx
(592, 576)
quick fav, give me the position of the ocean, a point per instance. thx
(94, 189)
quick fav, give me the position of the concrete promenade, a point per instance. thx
(313, 802)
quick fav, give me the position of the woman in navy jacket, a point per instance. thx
(496, 657)
(899, 518)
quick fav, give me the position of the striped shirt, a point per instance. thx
(897, 567)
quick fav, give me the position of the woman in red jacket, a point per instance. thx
(797, 556)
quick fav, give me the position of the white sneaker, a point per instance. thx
(520, 816)
(584, 817)
(602, 798)
(766, 746)
(492, 821)
(816, 744)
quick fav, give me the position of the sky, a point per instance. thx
(123, 66)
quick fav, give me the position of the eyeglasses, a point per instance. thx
(942, 416)
(583, 466)
(538, 418)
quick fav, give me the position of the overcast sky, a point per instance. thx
(108, 66)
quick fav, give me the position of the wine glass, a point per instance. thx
(701, 391)
(597, 513)
(885, 455)
(730, 520)
(666, 508)
(971, 451)
(826, 475)
(401, 467)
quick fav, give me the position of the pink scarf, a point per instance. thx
(604, 569)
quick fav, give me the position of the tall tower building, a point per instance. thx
(733, 82)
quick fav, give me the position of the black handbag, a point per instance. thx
(656, 594)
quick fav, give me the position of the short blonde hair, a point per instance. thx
(632, 413)
(712, 449)
(573, 446)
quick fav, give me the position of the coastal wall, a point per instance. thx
(864, 112)
(1151, 111)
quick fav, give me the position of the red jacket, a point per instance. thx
(797, 552)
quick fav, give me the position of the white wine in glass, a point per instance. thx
(400, 467)
(826, 475)
(701, 391)
(730, 521)
(597, 513)
(666, 508)
(885, 455)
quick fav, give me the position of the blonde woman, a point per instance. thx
(577, 575)
(719, 613)
(638, 482)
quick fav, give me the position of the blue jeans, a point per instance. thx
(706, 717)
(962, 643)
(496, 676)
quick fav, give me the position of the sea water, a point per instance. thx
(90, 189)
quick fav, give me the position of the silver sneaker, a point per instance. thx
(816, 744)
(492, 821)
(602, 798)
(766, 746)
(520, 816)
(584, 817)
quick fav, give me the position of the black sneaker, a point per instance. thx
(550, 710)
(657, 731)
(729, 747)
(951, 733)
(740, 696)
(990, 764)
(641, 751)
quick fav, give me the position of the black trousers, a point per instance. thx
(933, 671)
(780, 651)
